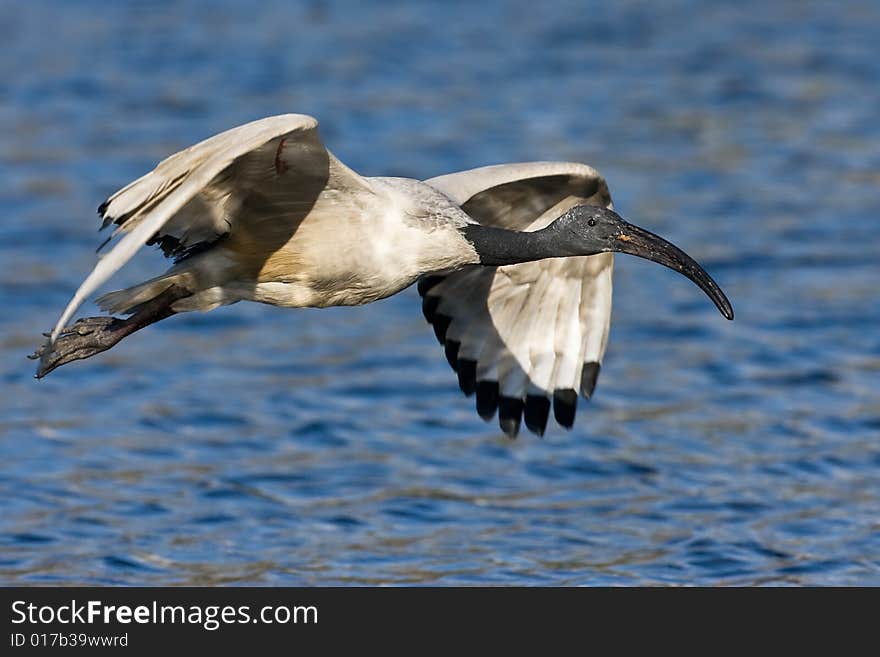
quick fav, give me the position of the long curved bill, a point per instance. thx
(644, 244)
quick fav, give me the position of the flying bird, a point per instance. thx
(513, 262)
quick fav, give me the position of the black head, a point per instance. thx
(590, 229)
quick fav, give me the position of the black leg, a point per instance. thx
(92, 335)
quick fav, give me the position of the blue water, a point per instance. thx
(254, 445)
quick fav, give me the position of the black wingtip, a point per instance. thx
(589, 376)
(429, 307)
(106, 219)
(510, 415)
(564, 406)
(537, 410)
(451, 350)
(441, 324)
(467, 375)
(487, 399)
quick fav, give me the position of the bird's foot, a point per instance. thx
(82, 339)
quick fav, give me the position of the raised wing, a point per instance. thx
(522, 335)
(195, 196)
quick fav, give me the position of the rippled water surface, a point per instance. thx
(254, 445)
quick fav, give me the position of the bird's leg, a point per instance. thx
(92, 335)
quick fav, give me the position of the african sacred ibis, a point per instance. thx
(513, 261)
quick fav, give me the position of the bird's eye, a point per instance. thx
(591, 222)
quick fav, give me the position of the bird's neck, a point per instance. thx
(498, 247)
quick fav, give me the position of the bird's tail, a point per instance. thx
(127, 301)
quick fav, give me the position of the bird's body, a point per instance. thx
(516, 292)
(382, 243)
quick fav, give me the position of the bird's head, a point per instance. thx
(590, 229)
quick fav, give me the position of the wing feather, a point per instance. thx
(188, 197)
(524, 332)
(506, 186)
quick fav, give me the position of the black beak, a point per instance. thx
(639, 242)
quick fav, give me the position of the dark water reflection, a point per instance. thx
(254, 445)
